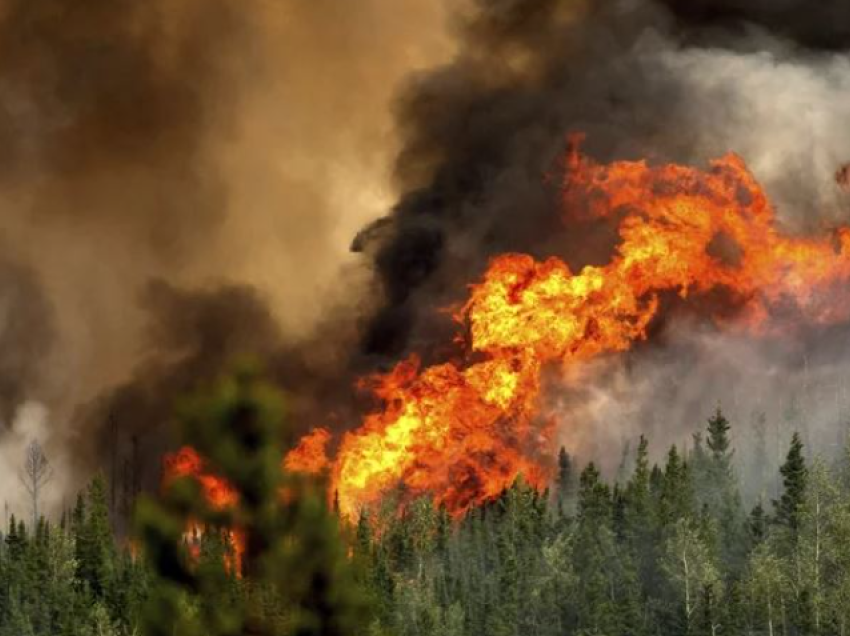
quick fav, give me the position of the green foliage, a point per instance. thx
(666, 552)
(65, 580)
(794, 477)
(296, 577)
(565, 484)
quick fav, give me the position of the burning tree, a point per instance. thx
(295, 576)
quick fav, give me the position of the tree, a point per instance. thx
(718, 490)
(565, 486)
(293, 560)
(718, 441)
(594, 555)
(812, 555)
(95, 547)
(693, 572)
(767, 587)
(677, 497)
(757, 525)
(794, 478)
(35, 474)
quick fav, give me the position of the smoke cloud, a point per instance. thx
(182, 182)
(667, 81)
(226, 150)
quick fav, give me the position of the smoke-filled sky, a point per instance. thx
(153, 148)
(182, 180)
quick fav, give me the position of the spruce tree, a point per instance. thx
(293, 561)
(757, 525)
(565, 487)
(95, 547)
(719, 490)
(794, 478)
(594, 555)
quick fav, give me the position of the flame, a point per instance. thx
(440, 428)
(310, 456)
(463, 431)
(186, 462)
(217, 492)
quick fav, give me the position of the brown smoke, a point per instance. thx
(233, 149)
(204, 143)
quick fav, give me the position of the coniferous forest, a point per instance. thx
(669, 548)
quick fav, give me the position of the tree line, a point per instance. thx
(666, 548)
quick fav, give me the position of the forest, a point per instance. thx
(664, 548)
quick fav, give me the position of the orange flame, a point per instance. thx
(186, 462)
(463, 431)
(310, 456)
(218, 493)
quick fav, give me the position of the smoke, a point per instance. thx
(668, 81)
(31, 424)
(825, 25)
(669, 389)
(233, 151)
(26, 331)
(227, 149)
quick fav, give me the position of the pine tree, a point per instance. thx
(95, 547)
(640, 528)
(718, 437)
(676, 500)
(594, 555)
(293, 558)
(719, 491)
(794, 477)
(757, 525)
(565, 487)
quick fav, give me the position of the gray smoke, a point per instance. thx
(664, 80)
(229, 151)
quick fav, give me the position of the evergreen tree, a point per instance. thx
(794, 477)
(595, 555)
(718, 490)
(292, 554)
(95, 547)
(565, 487)
(757, 525)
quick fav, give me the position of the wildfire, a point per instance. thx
(311, 454)
(218, 493)
(186, 462)
(464, 430)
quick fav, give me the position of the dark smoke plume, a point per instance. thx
(483, 131)
(106, 180)
(166, 140)
(821, 25)
(664, 80)
(191, 337)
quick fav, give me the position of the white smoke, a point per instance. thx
(31, 424)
